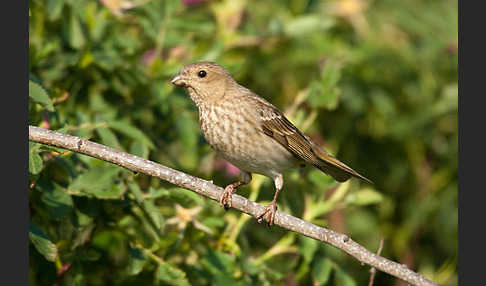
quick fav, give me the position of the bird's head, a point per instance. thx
(203, 80)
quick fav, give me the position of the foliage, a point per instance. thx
(375, 82)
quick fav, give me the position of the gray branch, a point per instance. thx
(208, 189)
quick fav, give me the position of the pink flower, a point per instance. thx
(227, 167)
(148, 57)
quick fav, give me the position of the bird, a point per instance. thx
(251, 133)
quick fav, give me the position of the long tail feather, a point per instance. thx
(335, 168)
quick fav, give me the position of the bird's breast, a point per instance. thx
(226, 128)
(235, 134)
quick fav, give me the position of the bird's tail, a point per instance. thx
(335, 168)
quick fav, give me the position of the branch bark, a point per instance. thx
(373, 269)
(208, 189)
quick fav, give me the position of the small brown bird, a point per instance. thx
(251, 133)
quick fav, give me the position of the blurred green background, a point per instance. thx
(374, 82)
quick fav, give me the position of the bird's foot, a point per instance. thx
(268, 214)
(225, 198)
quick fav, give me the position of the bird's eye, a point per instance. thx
(201, 73)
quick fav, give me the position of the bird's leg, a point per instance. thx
(271, 209)
(229, 190)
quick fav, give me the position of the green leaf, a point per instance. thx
(343, 279)
(98, 182)
(137, 193)
(249, 266)
(194, 26)
(154, 213)
(82, 235)
(58, 202)
(54, 8)
(213, 222)
(137, 260)
(185, 197)
(366, 196)
(384, 104)
(138, 148)
(72, 30)
(316, 97)
(308, 247)
(220, 265)
(34, 78)
(325, 93)
(132, 132)
(97, 21)
(321, 270)
(187, 129)
(88, 254)
(320, 180)
(35, 162)
(39, 95)
(110, 240)
(303, 25)
(108, 138)
(330, 74)
(157, 193)
(171, 275)
(42, 242)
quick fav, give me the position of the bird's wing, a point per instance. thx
(277, 126)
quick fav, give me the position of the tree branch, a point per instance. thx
(373, 269)
(206, 188)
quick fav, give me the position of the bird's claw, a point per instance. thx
(268, 214)
(225, 198)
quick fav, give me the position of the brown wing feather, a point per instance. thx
(275, 125)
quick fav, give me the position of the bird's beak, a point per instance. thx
(178, 80)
